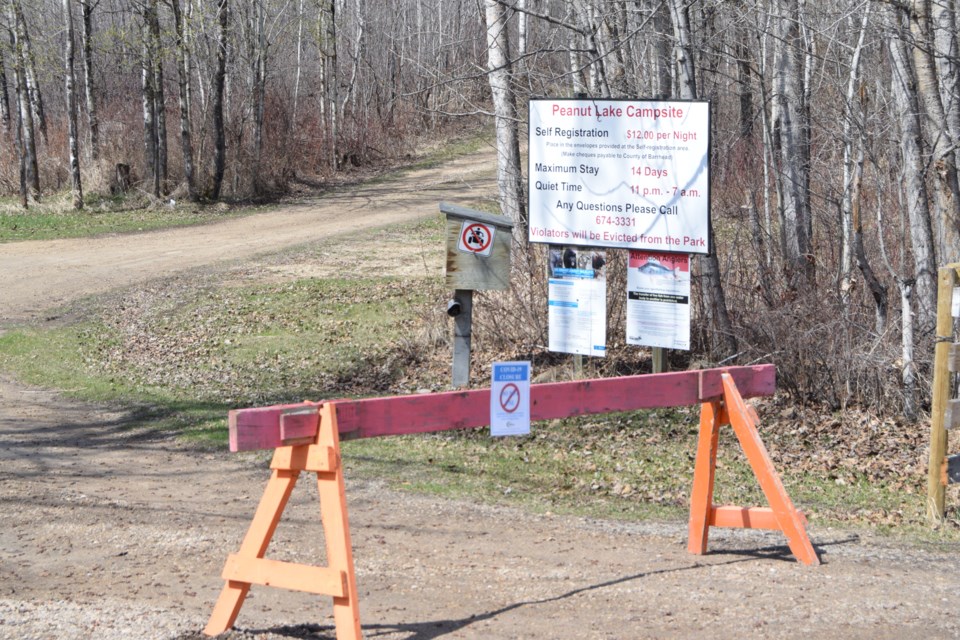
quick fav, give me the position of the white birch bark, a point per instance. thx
(504, 104)
(39, 116)
(76, 185)
(30, 178)
(296, 81)
(89, 90)
(794, 128)
(850, 166)
(4, 94)
(183, 82)
(159, 95)
(723, 340)
(946, 191)
(903, 88)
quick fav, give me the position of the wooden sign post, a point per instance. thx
(942, 414)
(478, 258)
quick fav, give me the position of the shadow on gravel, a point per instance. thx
(440, 628)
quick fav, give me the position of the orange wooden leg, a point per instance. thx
(255, 544)
(701, 498)
(789, 519)
(336, 530)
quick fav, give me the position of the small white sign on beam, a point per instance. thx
(510, 399)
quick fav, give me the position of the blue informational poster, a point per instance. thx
(577, 300)
(510, 399)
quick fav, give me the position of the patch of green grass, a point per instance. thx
(636, 466)
(453, 149)
(54, 218)
(186, 357)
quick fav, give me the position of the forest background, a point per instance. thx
(834, 151)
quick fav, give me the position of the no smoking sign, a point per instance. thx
(476, 238)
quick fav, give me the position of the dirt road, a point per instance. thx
(37, 275)
(109, 532)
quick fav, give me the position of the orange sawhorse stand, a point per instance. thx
(319, 454)
(781, 515)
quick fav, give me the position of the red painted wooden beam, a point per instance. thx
(259, 428)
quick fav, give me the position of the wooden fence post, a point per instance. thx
(941, 394)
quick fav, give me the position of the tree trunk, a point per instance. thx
(183, 80)
(296, 80)
(944, 18)
(905, 285)
(577, 85)
(851, 168)
(259, 91)
(946, 191)
(877, 289)
(39, 116)
(664, 55)
(28, 147)
(148, 102)
(4, 95)
(159, 95)
(71, 94)
(509, 176)
(328, 62)
(794, 128)
(908, 375)
(89, 91)
(744, 88)
(723, 340)
(907, 105)
(18, 142)
(219, 84)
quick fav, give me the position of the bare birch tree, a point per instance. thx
(219, 85)
(4, 94)
(945, 189)
(904, 92)
(159, 93)
(34, 94)
(509, 177)
(183, 81)
(89, 91)
(148, 99)
(30, 173)
(76, 185)
(718, 317)
(852, 161)
(793, 141)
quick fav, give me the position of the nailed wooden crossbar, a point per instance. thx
(260, 428)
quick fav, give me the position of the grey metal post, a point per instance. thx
(461, 338)
(659, 360)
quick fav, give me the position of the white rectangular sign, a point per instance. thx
(577, 301)
(658, 299)
(620, 173)
(510, 399)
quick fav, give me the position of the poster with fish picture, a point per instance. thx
(658, 299)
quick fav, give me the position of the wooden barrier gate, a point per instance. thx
(306, 438)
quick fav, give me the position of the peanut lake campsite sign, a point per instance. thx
(620, 173)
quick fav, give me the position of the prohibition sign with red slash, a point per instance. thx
(476, 238)
(510, 397)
